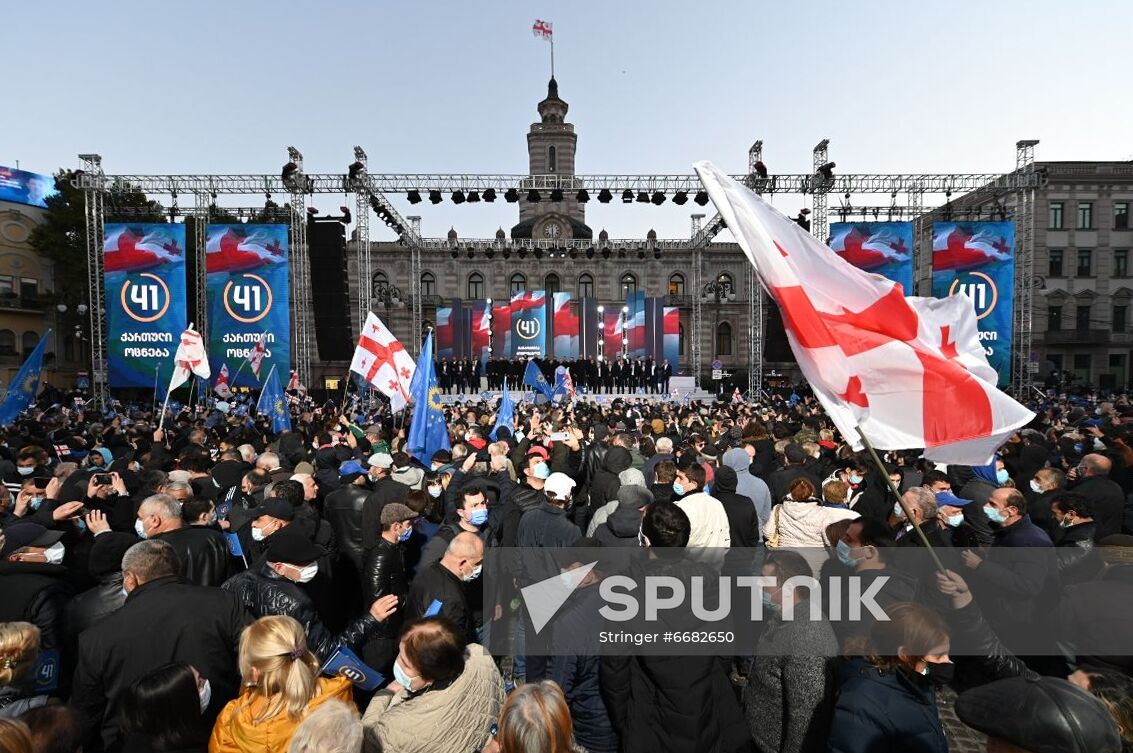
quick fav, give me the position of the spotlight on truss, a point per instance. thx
(556, 194)
(680, 198)
(642, 197)
(533, 196)
(458, 196)
(582, 196)
(414, 196)
(473, 197)
(346, 218)
(435, 196)
(605, 196)
(658, 198)
(354, 170)
(511, 196)
(701, 198)
(490, 195)
(627, 196)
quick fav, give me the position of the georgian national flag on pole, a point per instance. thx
(221, 387)
(256, 355)
(542, 29)
(293, 384)
(190, 359)
(383, 362)
(909, 371)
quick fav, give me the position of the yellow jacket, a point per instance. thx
(235, 731)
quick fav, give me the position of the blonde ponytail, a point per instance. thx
(286, 673)
(19, 647)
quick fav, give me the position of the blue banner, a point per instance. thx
(248, 296)
(144, 273)
(978, 259)
(884, 248)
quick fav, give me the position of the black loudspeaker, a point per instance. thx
(330, 290)
(775, 345)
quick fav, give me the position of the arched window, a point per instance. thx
(518, 283)
(680, 339)
(551, 284)
(29, 341)
(378, 283)
(724, 339)
(7, 342)
(585, 285)
(552, 159)
(676, 284)
(724, 280)
(428, 284)
(628, 284)
(475, 285)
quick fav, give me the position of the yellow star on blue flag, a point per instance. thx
(21, 393)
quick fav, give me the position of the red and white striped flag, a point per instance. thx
(542, 29)
(256, 355)
(383, 362)
(910, 372)
(293, 383)
(221, 387)
(189, 359)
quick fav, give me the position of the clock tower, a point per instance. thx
(550, 151)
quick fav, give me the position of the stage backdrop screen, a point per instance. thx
(613, 326)
(671, 326)
(22, 187)
(566, 327)
(481, 330)
(446, 331)
(529, 324)
(144, 273)
(248, 296)
(978, 259)
(885, 248)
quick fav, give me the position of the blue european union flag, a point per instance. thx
(273, 403)
(346, 663)
(22, 390)
(428, 432)
(534, 379)
(233, 540)
(506, 414)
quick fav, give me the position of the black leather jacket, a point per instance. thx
(385, 574)
(93, 604)
(263, 591)
(203, 552)
(344, 512)
(1074, 548)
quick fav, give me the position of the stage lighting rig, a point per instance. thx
(803, 220)
(289, 171)
(680, 198)
(658, 198)
(354, 170)
(414, 196)
(346, 217)
(511, 196)
(458, 196)
(533, 196)
(311, 212)
(582, 196)
(642, 197)
(627, 196)
(489, 195)
(435, 196)
(556, 194)
(760, 170)
(605, 196)
(701, 198)
(473, 197)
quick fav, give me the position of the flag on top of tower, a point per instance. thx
(910, 372)
(542, 28)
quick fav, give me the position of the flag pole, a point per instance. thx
(900, 500)
(156, 374)
(552, 54)
(263, 387)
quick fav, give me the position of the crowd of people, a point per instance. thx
(616, 375)
(192, 588)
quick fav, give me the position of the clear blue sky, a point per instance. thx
(212, 86)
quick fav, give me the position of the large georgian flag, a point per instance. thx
(909, 371)
(382, 360)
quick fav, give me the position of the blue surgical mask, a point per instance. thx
(855, 479)
(435, 491)
(678, 489)
(768, 604)
(994, 515)
(542, 471)
(34, 503)
(897, 511)
(479, 516)
(955, 520)
(845, 554)
(708, 488)
(1002, 476)
(400, 675)
(404, 535)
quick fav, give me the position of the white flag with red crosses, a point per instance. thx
(382, 361)
(910, 372)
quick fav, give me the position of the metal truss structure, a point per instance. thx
(370, 192)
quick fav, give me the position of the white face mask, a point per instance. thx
(257, 534)
(140, 528)
(307, 574)
(54, 553)
(435, 491)
(475, 572)
(25, 471)
(205, 693)
(1035, 487)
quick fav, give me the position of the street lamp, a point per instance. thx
(389, 295)
(720, 290)
(62, 310)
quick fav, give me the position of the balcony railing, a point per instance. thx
(1072, 336)
(24, 302)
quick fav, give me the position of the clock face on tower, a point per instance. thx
(552, 230)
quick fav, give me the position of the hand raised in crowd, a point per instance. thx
(53, 487)
(381, 609)
(95, 489)
(159, 435)
(66, 510)
(971, 559)
(96, 522)
(951, 584)
(23, 502)
(118, 485)
(469, 461)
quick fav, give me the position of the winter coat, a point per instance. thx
(547, 526)
(93, 604)
(236, 730)
(884, 712)
(343, 508)
(790, 686)
(803, 524)
(743, 523)
(605, 484)
(384, 574)
(708, 521)
(164, 620)
(650, 469)
(455, 717)
(752, 487)
(263, 591)
(780, 481)
(36, 593)
(1108, 502)
(385, 490)
(1098, 614)
(16, 701)
(203, 553)
(437, 583)
(1078, 561)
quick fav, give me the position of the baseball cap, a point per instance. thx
(950, 499)
(559, 484)
(350, 468)
(19, 535)
(292, 546)
(540, 451)
(276, 508)
(381, 460)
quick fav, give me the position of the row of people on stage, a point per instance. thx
(623, 375)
